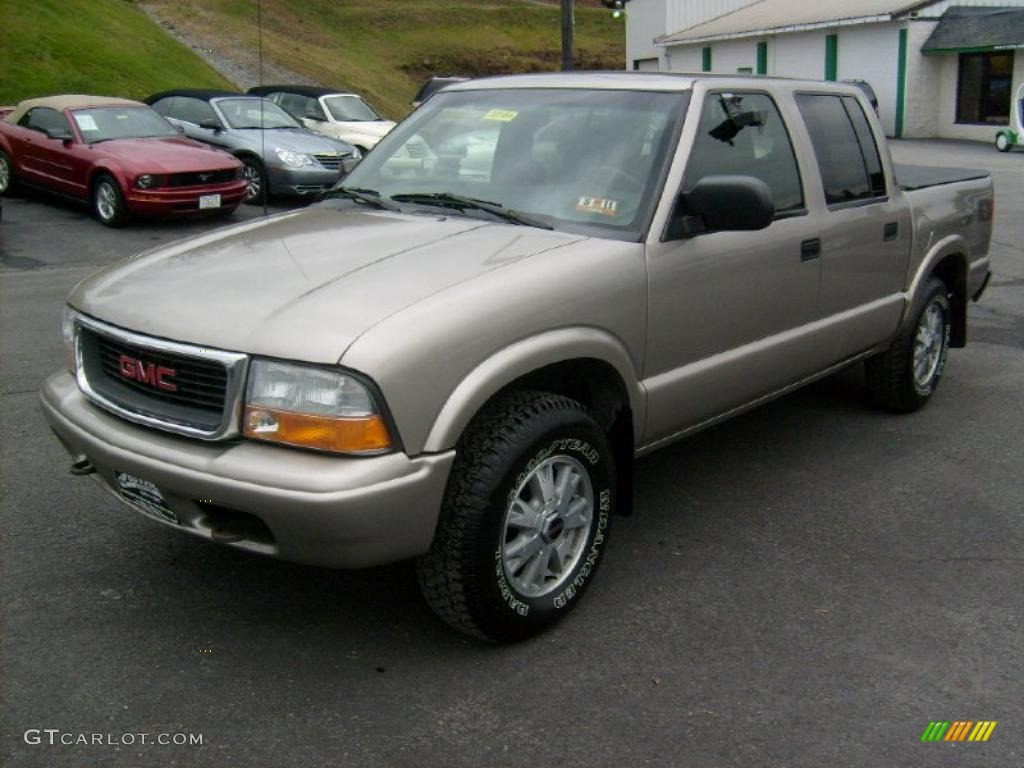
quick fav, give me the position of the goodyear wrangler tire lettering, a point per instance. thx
(525, 517)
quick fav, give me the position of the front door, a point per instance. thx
(730, 313)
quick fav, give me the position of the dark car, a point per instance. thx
(865, 86)
(281, 156)
(119, 155)
(435, 84)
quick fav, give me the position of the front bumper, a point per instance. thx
(313, 508)
(166, 201)
(304, 181)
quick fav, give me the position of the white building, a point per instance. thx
(939, 69)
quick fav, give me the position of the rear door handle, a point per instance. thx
(891, 231)
(810, 249)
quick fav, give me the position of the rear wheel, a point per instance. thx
(1003, 143)
(256, 180)
(108, 202)
(7, 180)
(525, 518)
(904, 377)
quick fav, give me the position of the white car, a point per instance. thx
(338, 114)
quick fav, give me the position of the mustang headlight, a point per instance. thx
(145, 181)
(312, 407)
(293, 159)
(69, 330)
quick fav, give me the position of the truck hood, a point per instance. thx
(165, 155)
(302, 285)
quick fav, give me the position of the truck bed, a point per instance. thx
(911, 177)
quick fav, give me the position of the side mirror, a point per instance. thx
(60, 134)
(722, 204)
(210, 124)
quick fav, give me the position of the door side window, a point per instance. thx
(44, 119)
(848, 160)
(743, 134)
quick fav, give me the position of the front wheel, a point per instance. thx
(904, 377)
(256, 180)
(7, 181)
(525, 518)
(108, 202)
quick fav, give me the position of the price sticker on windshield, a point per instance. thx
(85, 122)
(602, 205)
(502, 115)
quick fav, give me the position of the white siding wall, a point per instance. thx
(801, 54)
(684, 58)
(648, 19)
(871, 52)
(645, 20)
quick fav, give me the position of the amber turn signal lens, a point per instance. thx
(364, 434)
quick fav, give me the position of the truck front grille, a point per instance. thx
(167, 385)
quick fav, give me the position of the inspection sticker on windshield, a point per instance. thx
(502, 115)
(603, 205)
(86, 122)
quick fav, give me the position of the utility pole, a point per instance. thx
(567, 23)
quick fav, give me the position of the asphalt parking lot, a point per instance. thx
(807, 585)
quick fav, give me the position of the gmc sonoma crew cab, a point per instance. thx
(458, 354)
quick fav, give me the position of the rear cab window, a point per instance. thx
(847, 155)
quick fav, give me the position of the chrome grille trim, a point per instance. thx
(236, 365)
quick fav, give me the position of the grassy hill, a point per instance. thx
(383, 49)
(104, 47)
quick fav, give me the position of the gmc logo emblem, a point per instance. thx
(148, 373)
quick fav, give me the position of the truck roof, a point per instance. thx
(625, 80)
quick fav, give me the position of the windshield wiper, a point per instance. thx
(461, 203)
(361, 195)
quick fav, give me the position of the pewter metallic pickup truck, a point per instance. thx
(457, 356)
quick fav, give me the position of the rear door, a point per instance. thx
(865, 228)
(730, 313)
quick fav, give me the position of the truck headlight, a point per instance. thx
(312, 407)
(293, 159)
(69, 330)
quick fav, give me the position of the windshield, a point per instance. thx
(246, 113)
(350, 109)
(105, 123)
(577, 159)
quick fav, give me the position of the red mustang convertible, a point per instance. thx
(119, 155)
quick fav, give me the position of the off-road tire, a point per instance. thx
(891, 382)
(463, 577)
